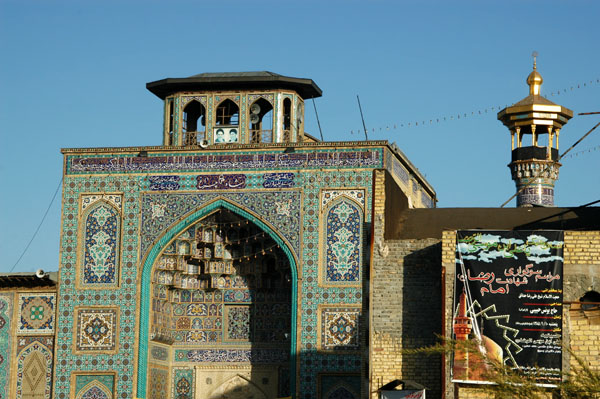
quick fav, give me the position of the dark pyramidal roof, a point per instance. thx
(260, 80)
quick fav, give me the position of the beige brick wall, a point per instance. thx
(582, 247)
(585, 336)
(405, 305)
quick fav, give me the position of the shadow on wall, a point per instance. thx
(422, 315)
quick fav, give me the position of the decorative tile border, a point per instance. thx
(113, 163)
(254, 356)
(6, 339)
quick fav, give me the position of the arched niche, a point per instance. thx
(260, 121)
(94, 390)
(227, 113)
(343, 230)
(100, 243)
(194, 123)
(237, 387)
(34, 371)
(162, 244)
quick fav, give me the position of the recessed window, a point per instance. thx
(260, 121)
(287, 119)
(194, 123)
(228, 113)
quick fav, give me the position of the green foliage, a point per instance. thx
(580, 382)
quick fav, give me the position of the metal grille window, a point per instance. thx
(227, 113)
(261, 121)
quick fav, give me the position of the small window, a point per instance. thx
(287, 119)
(228, 113)
(194, 122)
(260, 121)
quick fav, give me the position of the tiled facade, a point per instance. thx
(313, 214)
(255, 268)
(126, 212)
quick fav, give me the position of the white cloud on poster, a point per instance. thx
(540, 259)
(488, 257)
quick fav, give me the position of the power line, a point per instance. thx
(464, 114)
(39, 225)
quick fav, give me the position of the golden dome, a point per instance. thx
(534, 80)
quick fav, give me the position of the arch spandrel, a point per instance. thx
(277, 211)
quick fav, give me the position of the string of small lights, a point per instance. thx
(582, 152)
(463, 115)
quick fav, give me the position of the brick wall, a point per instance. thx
(405, 307)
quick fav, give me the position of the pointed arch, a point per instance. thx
(164, 241)
(340, 391)
(100, 227)
(94, 390)
(227, 113)
(260, 121)
(34, 371)
(343, 250)
(194, 123)
(238, 387)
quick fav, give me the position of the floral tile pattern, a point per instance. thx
(37, 313)
(96, 329)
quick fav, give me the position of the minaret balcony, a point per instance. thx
(534, 152)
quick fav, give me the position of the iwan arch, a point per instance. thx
(249, 285)
(239, 257)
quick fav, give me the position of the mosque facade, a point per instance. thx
(244, 258)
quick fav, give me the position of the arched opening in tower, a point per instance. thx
(221, 307)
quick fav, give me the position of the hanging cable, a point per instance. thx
(319, 123)
(39, 225)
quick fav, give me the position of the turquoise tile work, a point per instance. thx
(6, 306)
(315, 204)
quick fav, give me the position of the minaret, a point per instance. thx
(535, 166)
(462, 327)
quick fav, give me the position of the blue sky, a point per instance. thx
(73, 74)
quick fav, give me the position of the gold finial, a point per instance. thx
(534, 80)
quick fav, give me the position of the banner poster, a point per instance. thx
(508, 303)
